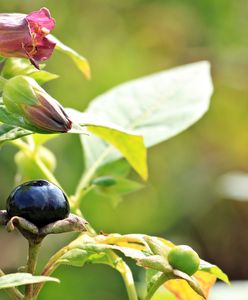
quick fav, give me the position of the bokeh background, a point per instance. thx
(125, 40)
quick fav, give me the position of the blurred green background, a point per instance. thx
(125, 40)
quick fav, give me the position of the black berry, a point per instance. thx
(39, 202)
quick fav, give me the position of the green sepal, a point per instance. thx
(21, 66)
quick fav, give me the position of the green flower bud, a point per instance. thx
(23, 97)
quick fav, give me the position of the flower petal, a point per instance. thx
(41, 18)
(44, 50)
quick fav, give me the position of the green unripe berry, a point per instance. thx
(184, 258)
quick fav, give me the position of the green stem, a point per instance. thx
(14, 293)
(47, 173)
(33, 251)
(21, 145)
(86, 178)
(126, 275)
(49, 269)
(156, 285)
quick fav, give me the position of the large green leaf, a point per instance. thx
(128, 143)
(17, 279)
(158, 107)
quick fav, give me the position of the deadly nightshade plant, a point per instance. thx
(115, 132)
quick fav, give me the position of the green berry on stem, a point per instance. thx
(184, 258)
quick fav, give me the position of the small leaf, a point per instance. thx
(43, 76)
(130, 145)
(116, 186)
(80, 61)
(78, 258)
(157, 246)
(192, 282)
(8, 133)
(75, 257)
(20, 66)
(183, 291)
(17, 279)
(214, 270)
(119, 168)
(104, 181)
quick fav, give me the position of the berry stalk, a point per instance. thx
(33, 251)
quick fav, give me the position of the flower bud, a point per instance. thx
(25, 98)
(25, 35)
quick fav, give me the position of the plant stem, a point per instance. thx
(14, 293)
(156, 285)
(47, 173)
(21, 145)
(33, 251)
(85, 179)
(49, 269)
(126, 275)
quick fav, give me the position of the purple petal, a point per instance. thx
(41, 19)
(14, 34)
(43, 51)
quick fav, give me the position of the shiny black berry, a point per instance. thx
(39, 202)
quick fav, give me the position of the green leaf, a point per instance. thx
(75, 257)
(214, 270)
(21, 66)
(119, 168)
(43, 76)
(116, 185)
(80, 61)
(157, 246)
(158, 107)
(78, 257)
(17, 279)
(104, 181)
(129, 144)
(8, 133)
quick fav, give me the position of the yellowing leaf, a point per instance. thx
(130, 144)
(205, 280)
(183, 291)
(80, 61)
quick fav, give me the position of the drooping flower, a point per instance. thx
(23, 97)
(25, 35)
